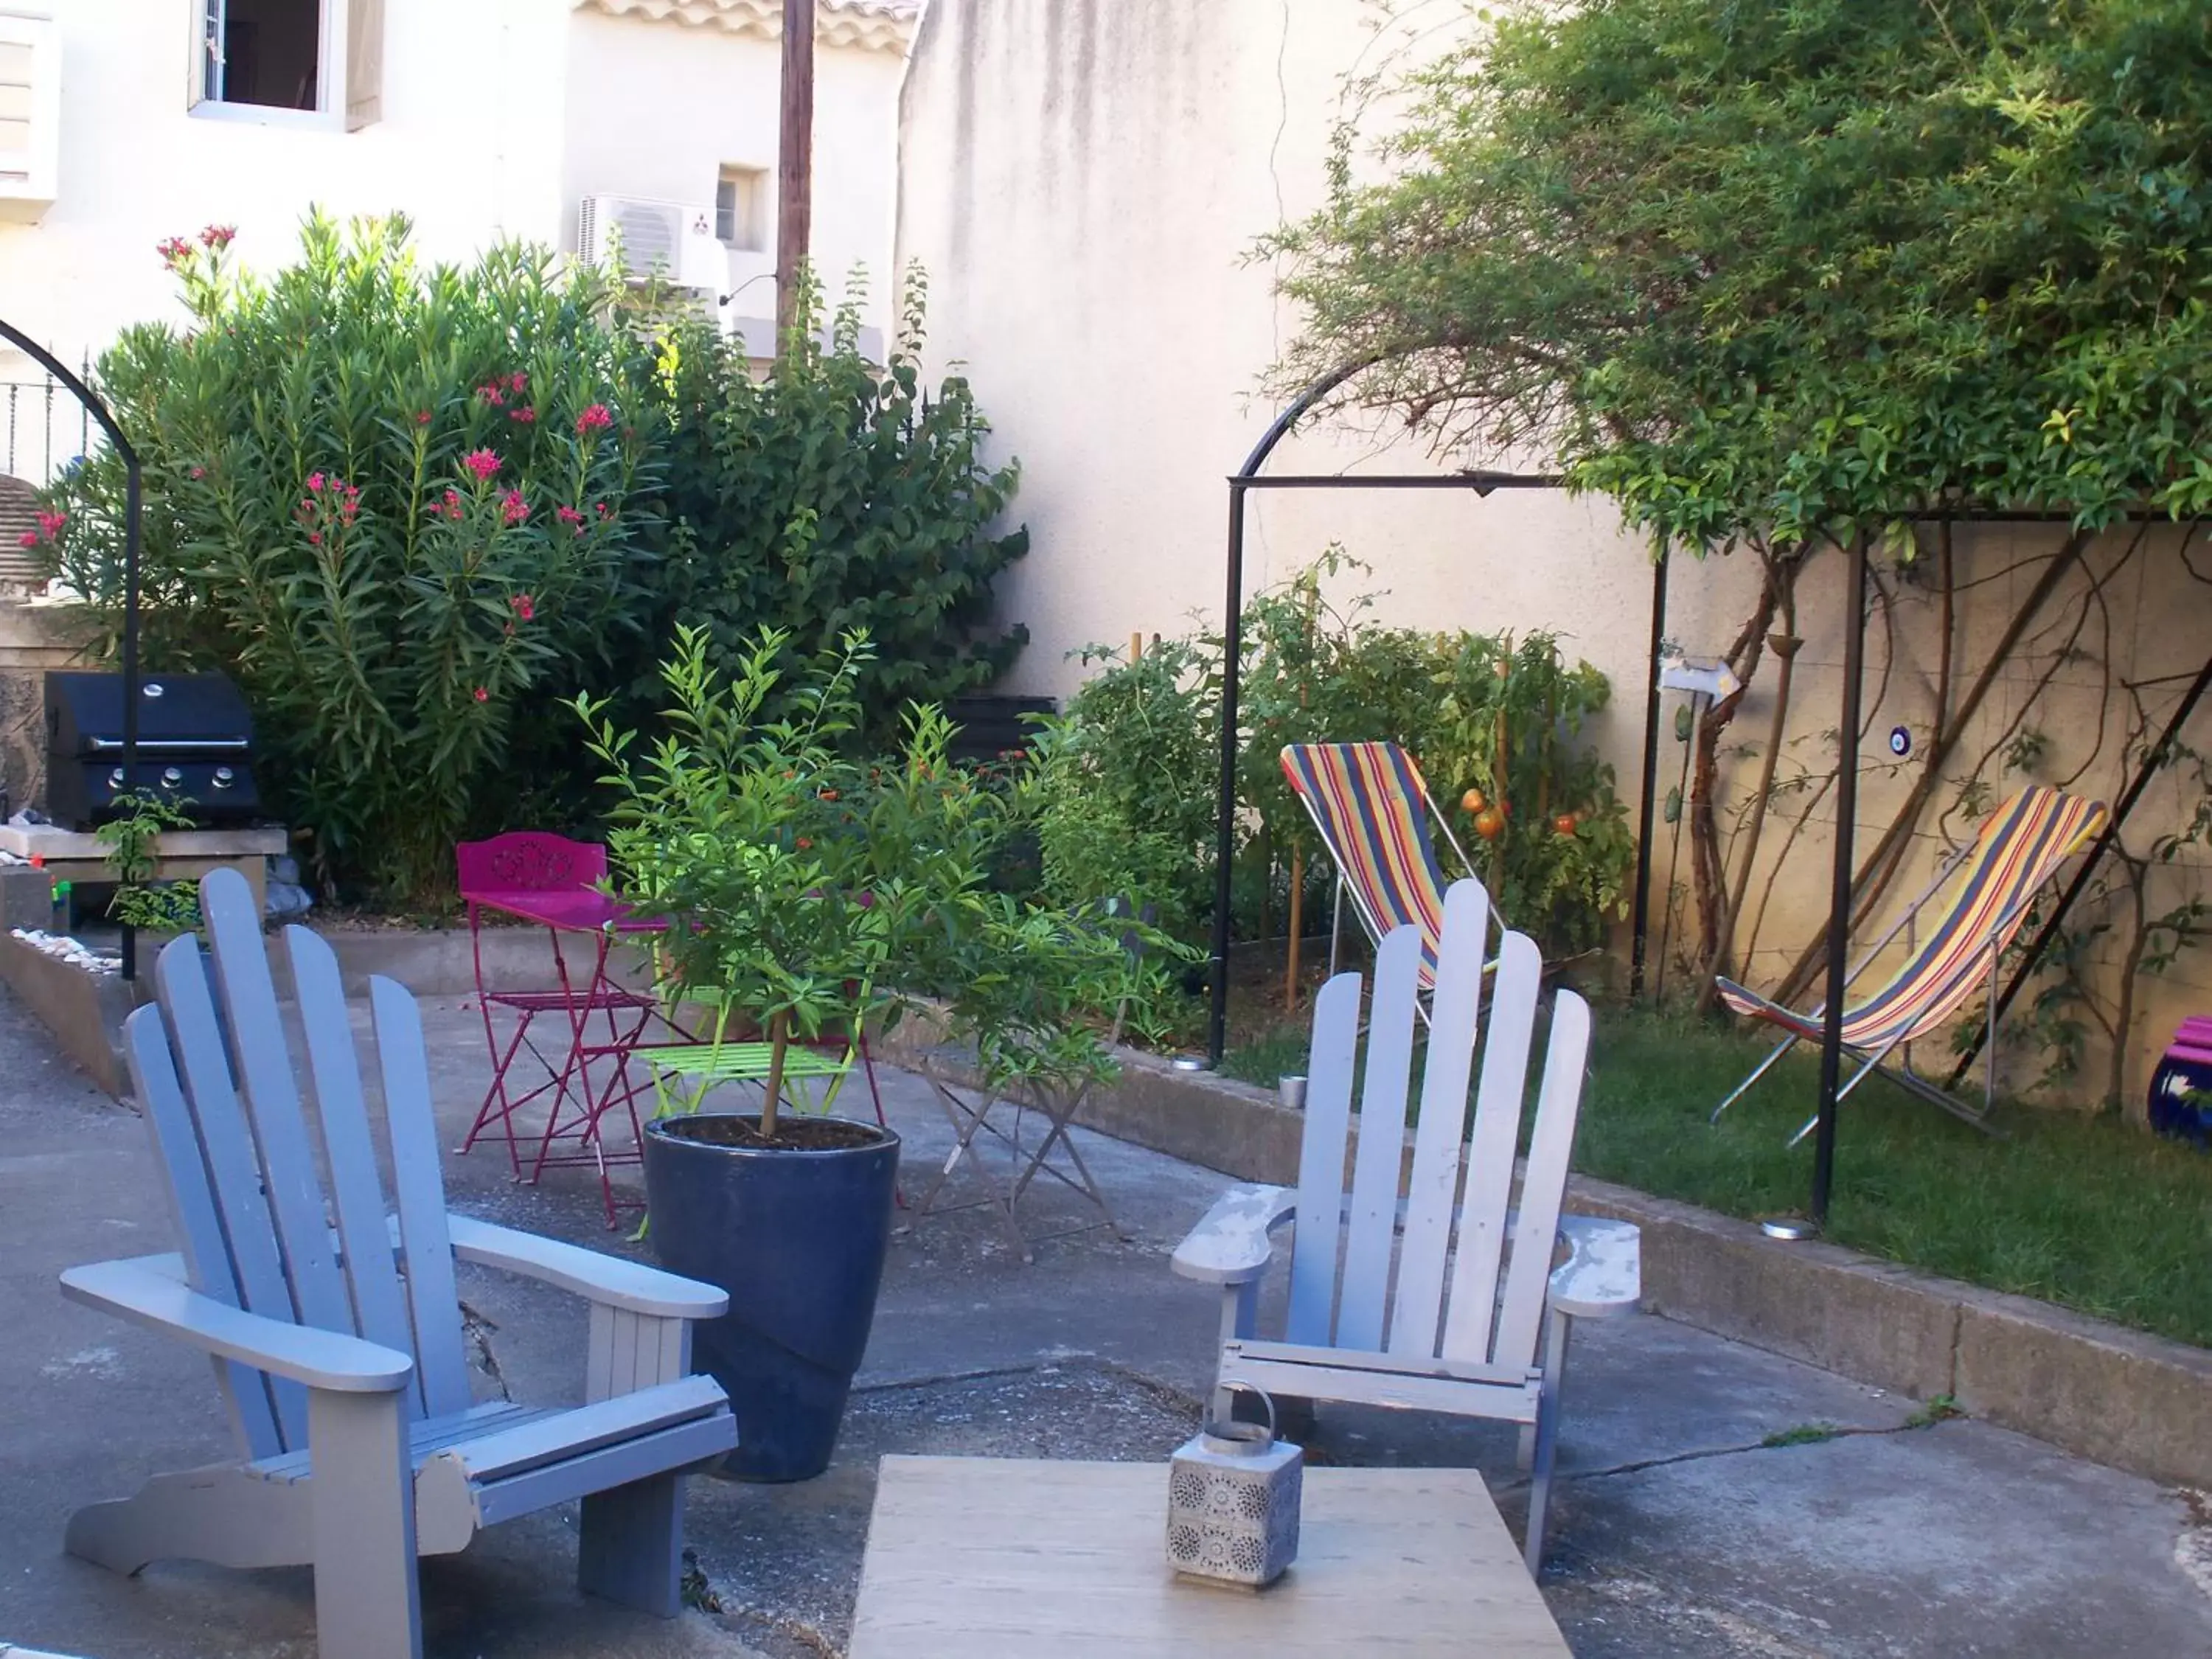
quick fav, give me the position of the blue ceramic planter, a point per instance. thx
(798, 1238)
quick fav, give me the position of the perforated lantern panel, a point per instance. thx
(1234, 1517)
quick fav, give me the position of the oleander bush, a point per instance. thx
(409, 507)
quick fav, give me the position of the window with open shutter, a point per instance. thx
(251, 58)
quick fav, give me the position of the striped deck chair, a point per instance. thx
(1367, 800)
(2019, 849)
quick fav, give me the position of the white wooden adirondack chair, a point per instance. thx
(1474, 1353)
(339, 1355)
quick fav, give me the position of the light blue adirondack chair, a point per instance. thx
(1348, 1338)
(339, 1354)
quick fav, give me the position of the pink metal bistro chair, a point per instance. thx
(554, 882)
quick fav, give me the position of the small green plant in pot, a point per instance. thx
(132, 839)
(796, 882)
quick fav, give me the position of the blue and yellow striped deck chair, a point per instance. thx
(1367, 801)
(1999, 873)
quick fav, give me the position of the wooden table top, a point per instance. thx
(973, 1557)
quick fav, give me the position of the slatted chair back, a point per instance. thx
(1481, 1302)
(528, 861)
(246, 1174)
(1369, 802)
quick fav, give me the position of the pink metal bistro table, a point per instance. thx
(587, 1064)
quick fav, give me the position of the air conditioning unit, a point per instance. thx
(668, 239)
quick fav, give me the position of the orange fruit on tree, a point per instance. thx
(1488, 822)
(1472, 801)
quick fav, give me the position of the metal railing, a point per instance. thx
(43, 428)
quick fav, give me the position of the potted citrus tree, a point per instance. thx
(799, 886)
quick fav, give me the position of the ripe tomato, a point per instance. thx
(1488, 822)
(1565, 823)
(1472, 801)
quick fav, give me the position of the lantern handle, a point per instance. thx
(1243, 1439)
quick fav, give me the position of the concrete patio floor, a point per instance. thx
(1681, 1531)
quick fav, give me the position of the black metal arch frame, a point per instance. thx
(1249, 477)
(132, 481)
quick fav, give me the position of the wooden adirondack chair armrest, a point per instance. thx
(1231, 1244)
(606, 1280)
(151, 1291)
(1603, 1275)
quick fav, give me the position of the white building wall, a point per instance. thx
(496, 115)
(657, 110)
(468, 147)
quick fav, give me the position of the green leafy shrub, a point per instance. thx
(396, 504)
(1122, 792)
(834, 495)
(1126, 778)
(1508, 725)
(810, 891)
(132, 838)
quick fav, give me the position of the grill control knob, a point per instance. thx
(172, 776)
(224, 777)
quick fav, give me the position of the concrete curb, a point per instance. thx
(84, 1010)
(2135, 1401)
(435, 961)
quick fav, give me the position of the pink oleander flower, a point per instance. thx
(594, 419)
(29, 538)
(517, 381)
(175, 251)
(199, 472)
(491, 394)
(603, 510)
(49, 524)
(421, 417)
(315, 539)
(482, 462)
(568, 515)
(524, 415)
(483, 696)
(513, 507)
(217, 236)
(523, 608)
(314, 483)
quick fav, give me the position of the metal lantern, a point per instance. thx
(1233, 1494)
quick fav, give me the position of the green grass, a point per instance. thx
(2083, 1211)
(1265, 1059)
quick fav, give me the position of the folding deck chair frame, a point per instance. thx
(1998, 933)
(1429, 916)
(970, 1118)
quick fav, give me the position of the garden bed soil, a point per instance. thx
(795, 1133)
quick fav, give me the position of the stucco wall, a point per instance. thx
(467, 146)
(497, 115)
(657, 109)
(1085, 181)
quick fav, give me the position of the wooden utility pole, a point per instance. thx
(794, 164)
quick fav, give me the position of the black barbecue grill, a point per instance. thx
(195, 745)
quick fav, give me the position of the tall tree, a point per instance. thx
(1772, 275)
(1771, 269)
